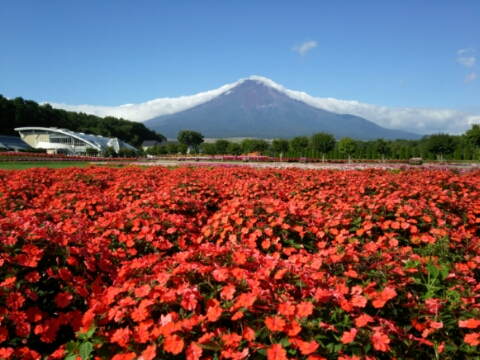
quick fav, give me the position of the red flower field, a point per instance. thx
(236, 263)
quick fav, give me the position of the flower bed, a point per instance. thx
(239, 263)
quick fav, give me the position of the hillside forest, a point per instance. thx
(19, 113)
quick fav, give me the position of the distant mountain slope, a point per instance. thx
(253, 109)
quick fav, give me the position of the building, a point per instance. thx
(12, 143)
(73, 143)
(150, 143)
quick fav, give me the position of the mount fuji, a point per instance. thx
(255, 108)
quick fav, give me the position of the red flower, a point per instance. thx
(307, 348)
(469, 324)
(275, 323)
(173, 344)
(304, 309)
(472, 339)
(276, 352)
(63, 299)
(15, 300)
(349, 336)
(380, 341)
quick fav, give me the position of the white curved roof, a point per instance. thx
(94, 141)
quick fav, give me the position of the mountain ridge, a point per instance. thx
(255, 108)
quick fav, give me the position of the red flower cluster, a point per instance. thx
(239, 262)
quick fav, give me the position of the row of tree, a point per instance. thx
(21, 113)
(324, 145)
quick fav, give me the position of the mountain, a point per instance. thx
(254, 109)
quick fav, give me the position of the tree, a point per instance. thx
(221, 145)
(246, 145)
(209, 149)
(280, 146)
(190, 138)
(347, 146)
(473, 137)
(91, 152)
(441, 145)
(234, 149)
(299, 144)
(109, 151)
(259, 145)
(172, 148)
(183, 149)
(323, 142)
(382, 148)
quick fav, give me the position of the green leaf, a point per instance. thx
(71, 346)
(433, 271)
(212, 347)
(85, 350)
(90, 332)
(262, 352)
(71, 357)
(285, 342)
(444, 273)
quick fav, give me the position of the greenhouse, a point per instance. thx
(73, 143)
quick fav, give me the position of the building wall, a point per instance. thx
(34, 139)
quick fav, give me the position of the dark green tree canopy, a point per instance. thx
(190, 138)
(473, 136)
(299, 144)
(209, 149)
(323, 142)
(441, 144)
(382, 147)
(347, 146)
(280, 145)
(259, 145)
(221, 146)
(234, 149)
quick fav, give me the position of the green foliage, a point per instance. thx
(382, 148)
(190, 138)
(259, 145)
(347, 147)
(280, 146)
(109, 151)
(172, 148)
(299, 144)
(322, 142)
(91, 152)
(234, 149)
(458, 153)
(182, 148)
(467, 155)
(473, 136)
(221, 146)
(441, 144)
(209, 149)
(368, 154)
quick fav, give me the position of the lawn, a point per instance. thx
(22, 165)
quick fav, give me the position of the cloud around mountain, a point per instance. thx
(417, 120)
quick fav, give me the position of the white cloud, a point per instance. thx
(469, 62)
(419, 120)
(305, 47)
(466, 57)
(470, 78)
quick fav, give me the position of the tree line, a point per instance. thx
(22, 113)
(323, 145)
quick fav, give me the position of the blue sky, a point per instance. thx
(401, 56)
